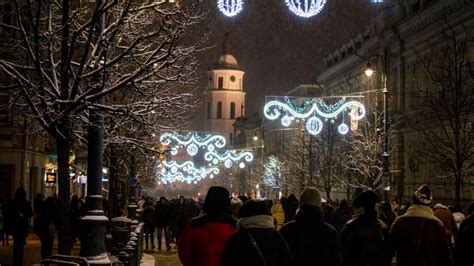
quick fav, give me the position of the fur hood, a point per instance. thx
(421, 211)
(256, 221)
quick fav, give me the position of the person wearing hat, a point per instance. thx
(418, 237)
(364, 238)
(256, 242)
(204, 238)
(311, 240)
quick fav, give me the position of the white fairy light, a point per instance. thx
(314, 125)
(343, 129)
(242, 165)
(230, 8)
(286, 121)
(192, 149)
(192, 141)
(310, 111)
(305, 8)
(228, 163)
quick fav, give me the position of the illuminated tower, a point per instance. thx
(226, 98)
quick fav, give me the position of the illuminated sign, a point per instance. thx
(50, 177)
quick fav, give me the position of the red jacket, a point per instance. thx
(204, 239)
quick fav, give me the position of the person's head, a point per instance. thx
(470, 210)
(181, 200)
(217, 201)
(367, 200)
(49, 203)
(422, 196)
(163, 200)
(292, 198)
(457, 208)
(20, 194)
(253, 208)
(310, 197)
(343, 204)
(386, 207)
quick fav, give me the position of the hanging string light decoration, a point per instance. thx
(313, 111)
(305, 8)
(229, 158)
(230, 8)
(184, 172)
(193, 141)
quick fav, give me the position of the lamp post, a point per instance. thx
(385, 155)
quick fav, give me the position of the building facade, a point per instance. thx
(396, 44)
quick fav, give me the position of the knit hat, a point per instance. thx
(217, 200)
(422, 196)
(310, 196)
(366, 199)
(252, 208)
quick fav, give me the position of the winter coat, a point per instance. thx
(365, 241)
(279, 214)
(163, 214)
(340, 217)
(419, 238)
(149, 218)
(290, 208)
(311, 240)
(463, 249)
(204, 238)
(269, 248)
(450, 227)
(20, 213)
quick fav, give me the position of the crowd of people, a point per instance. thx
(222, 230)
(307, 231)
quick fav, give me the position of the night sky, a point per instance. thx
(280, 50)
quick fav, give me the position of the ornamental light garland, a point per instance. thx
(229, 158)
(305, 8)
(313, 111)
(230, 8)
(184, 172)
(193, 141)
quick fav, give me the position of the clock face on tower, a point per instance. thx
(232, 78)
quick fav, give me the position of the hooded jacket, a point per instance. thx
(311, 240)
(463, 255)
(365, 240)
(269, 249)
(419, 238)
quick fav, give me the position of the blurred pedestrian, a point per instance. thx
(290, 207)
(418, 237)
(256, 242)
(458, 215)
(2, 220)
(20, 213)
(387, 215)
(364, 238)
(149, 219)
(342, 214)
(451, 229)
(311, 240)
(163, 222)
(204, 238)
(278, 213)
(463, 248)
(46, 223)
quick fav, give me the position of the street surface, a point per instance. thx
(32, 254)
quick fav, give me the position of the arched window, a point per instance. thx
(232, 110)
(208, 110)
(220, 83)
(219, 109)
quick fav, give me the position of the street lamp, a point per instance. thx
(385, 155)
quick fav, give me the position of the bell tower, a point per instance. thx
(226, 98)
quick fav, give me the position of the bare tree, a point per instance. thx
(446, 106)
(57, 53)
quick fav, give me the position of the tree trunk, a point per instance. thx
(64, 210)
(113, 184)
(457, 197)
